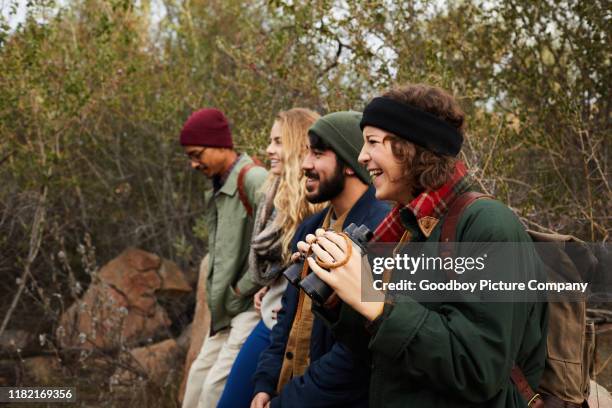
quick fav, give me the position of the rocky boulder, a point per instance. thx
(156, 363)
(120, 307)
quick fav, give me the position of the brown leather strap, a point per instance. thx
(242, 194)
(448, 235)
(536, 400)
(533, 399)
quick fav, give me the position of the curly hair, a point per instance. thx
(290, 199)
(425, 169)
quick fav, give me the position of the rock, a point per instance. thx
(140, 260)
(175, 295)
(157, 363)
(173, 279)
(134, 274)
(599, 397)
(121, 308)
(104, 319)
(200, 325)
(184, 339)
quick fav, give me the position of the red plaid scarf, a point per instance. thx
(429, 203)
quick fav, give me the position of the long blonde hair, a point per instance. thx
(290, 199)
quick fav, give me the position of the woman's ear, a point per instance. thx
(349, 172)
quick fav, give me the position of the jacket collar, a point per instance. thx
(231, 183)
(423, 213)
(359, 211)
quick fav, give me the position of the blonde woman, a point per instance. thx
(276, 221)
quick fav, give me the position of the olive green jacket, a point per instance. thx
(453, 354)
(229, 238)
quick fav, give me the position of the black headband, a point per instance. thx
(412, 124)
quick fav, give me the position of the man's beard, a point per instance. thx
(327, 189)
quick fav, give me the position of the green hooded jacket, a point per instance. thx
(229, 237)
(452, 354)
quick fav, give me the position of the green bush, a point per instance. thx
(93, 95)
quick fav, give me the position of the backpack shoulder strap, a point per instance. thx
(242, 194)
(257, 161)
(448, 235)
(534, 400)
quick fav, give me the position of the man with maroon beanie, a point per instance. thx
(207, 141)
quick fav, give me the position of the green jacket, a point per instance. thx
(453, 354)
(229, 237)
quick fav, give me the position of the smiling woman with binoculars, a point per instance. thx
(443, 354)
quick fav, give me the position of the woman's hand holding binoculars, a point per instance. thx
(346, 279)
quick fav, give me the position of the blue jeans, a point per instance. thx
(238, 390)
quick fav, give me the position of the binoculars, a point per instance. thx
(314, 287)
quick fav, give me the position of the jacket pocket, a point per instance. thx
(234, 303)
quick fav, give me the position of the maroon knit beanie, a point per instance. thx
(207, 127)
